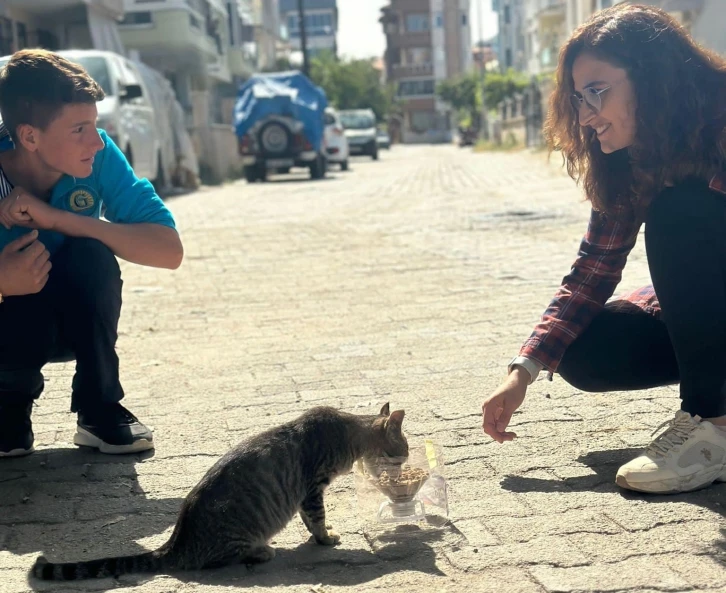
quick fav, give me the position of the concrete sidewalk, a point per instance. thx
(412, 280)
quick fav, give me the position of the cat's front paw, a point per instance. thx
(330, 538)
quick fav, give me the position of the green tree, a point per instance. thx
(464, 95)
(281, 65)
(353, 84)
(498, 87)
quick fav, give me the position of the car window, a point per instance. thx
(357, 121)
(329, 119)
(97, 69)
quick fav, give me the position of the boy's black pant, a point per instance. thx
(685, 240)
(75, 316)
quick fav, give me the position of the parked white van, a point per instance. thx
(126, 114)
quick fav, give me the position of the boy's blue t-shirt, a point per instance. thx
(112, 183)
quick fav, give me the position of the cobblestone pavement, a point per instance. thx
(414, 280)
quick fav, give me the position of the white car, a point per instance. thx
(126, 113)
(335, 140)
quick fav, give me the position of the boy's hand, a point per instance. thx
(19, 208)
(24, 266)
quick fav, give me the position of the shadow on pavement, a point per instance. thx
(310, 564)
(305, 564)
(605, 465)
(74, 504)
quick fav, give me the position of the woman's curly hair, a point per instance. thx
(680, 89)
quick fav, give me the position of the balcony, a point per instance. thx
(412, 70)
(219, 70)
(411, 39)
(114, 8)
(172, 36)
(551, 9)
(241, 63)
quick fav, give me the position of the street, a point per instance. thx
(412, 280)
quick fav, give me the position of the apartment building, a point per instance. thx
(200, 47)
(321, 25)
(60, 24)
(264, 31)
(427, 41)
(549, 23)
(705, 19)
(512, 31)
(545, 31)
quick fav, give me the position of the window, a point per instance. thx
(439, 20)
(357, 120)
(464, 20)
(422, 121)
(317, 24)
(6, 36)
(507, 15)
(415, 88)
(137, 18)
(194, 22)
(417, 23)
(230, 25)
(508, 58)
(417, 55)
(22, 31)
(97, 69)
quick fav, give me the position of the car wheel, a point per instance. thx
(344, 165)
(318, 168)
(275, 138)
(374, 156)
(160, 182)
(251, 174)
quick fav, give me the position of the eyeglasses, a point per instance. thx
(591, 97)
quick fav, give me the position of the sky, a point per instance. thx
(360, 34)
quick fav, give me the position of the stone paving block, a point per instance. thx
(701, 572)
(633, 574)
(516, 529)
(543, 550)
(692, 537)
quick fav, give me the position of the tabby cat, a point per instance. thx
(254, 490)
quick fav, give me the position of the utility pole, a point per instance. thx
(482, 72)
(303, 38)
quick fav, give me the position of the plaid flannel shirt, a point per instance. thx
(591, 282)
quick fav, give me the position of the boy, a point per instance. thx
(60, 283)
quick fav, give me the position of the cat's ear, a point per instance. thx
(395, 420)
(386, 409)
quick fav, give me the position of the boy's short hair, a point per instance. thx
(36, 84)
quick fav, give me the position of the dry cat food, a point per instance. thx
(404, 487)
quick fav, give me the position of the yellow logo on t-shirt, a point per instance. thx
(81, 200)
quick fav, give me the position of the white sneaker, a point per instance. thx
(690, 454)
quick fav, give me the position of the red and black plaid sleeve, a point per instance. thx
(584, 291)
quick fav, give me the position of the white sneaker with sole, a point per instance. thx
(690, 454)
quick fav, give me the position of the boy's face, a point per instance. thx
(68, 145)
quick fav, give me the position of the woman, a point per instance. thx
(639, 113)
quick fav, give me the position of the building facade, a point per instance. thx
(512, 31)
(321, 25)
(60, 24)
(427, 42)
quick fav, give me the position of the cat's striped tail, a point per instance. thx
(149, 562)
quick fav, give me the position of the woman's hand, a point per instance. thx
(497, 410)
